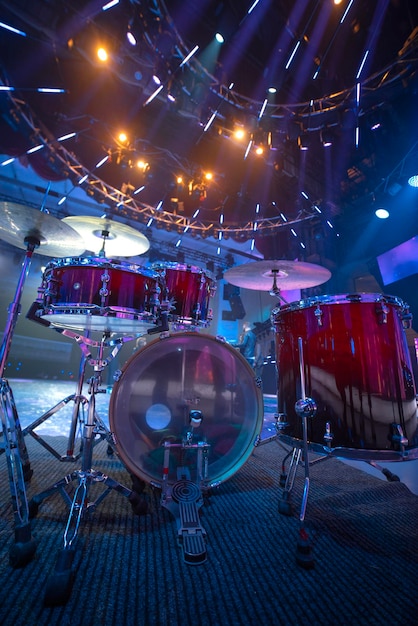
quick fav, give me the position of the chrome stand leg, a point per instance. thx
(80, 401)
(13, 445)
(60, 582)
(305, 407)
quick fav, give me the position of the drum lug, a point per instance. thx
(406, 318)
(398, 438)
(117, 376)
(328, 437)
(281, 421)
(318, 314)
(382, 311)
(104, 291)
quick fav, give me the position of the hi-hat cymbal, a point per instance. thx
(271, 274)
(113, 238)
(22, 225)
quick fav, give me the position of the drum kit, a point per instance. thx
(186, 409)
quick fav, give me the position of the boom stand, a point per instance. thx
(13, 444)
(59, 584)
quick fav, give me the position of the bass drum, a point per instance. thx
(158, 388)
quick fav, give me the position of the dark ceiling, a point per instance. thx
(374, 47)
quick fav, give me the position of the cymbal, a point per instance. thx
(20, 224)
(271, 274)
(113, 238)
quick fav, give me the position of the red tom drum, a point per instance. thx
(98, 294)
(186, 290)
(357, 369)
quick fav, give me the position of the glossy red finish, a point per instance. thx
(357, 369)
(189, 290)
(74, 290)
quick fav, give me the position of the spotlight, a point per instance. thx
(219, 38)
(102, 55)
(130, 37)
(239, 133)
(413, 181)
(382, 214)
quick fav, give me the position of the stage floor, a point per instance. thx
(34, 398)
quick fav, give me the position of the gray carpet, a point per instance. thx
(130, 570)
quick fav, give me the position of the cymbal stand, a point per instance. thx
(60, 582)
(275, 289)
(13, 444)
(80, 401)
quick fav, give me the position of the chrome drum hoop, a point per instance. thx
(89, 293)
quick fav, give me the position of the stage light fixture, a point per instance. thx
(304, 142)
(219, 38)
(382, 213)
(239, 133)
(326, 138)
(102, 55)
(413, 181)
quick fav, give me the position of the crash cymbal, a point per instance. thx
(20, 225)
(271, 274)
(102, 235)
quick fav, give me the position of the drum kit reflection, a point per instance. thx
(186, 409)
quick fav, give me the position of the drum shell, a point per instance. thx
(74, 291)
(357, 369)
(188, 289)
(159, 386)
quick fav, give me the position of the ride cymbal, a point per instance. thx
(23, 226)
(272, 274)
(102, 235)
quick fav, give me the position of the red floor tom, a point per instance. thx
(357, 368)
